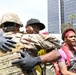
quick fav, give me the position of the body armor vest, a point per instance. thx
(6, 68)
(36, 40)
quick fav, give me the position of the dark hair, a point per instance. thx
(66, 30)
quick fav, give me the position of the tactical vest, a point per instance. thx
(36, 40)
(6, 68)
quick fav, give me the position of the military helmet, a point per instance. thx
(10, 17)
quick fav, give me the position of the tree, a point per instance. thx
(72, 17)
(64, 25)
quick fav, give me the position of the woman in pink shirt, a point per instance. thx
(68, 52)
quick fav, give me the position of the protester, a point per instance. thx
(67, 64)
(28, 62)
(33, 26)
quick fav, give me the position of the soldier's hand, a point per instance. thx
(6, 44)
(7, 37)
(27, 62)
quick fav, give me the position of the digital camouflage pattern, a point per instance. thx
(24, 42)
(10, 17)
(39, 44)
(6, 67)
(39, 41)
(30, 42)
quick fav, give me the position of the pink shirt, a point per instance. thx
(63, 56)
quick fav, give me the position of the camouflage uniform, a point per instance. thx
(36, 41)
(41, 44)
(6, 68)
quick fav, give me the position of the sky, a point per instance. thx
(26, 9)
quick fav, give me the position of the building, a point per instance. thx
(59, 12)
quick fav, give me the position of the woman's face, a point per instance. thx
(71, 39)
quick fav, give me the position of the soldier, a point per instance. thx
(10, 24)
(67, 64)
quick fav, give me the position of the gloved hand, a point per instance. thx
(7, 37)
(6, 44)
(27, 62)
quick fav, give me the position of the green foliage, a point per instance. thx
(64, 25)
(72, 17)
(69, 24)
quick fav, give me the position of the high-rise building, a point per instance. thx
(59, 12)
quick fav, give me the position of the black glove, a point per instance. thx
(7, 37)
(6, 44)
(27, 62)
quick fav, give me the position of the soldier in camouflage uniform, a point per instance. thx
(10, 24)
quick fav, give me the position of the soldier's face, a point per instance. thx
(10, 26)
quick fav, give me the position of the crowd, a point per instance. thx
(36, 51)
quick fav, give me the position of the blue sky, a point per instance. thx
(26, 9)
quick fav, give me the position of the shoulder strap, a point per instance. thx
(56, 68)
